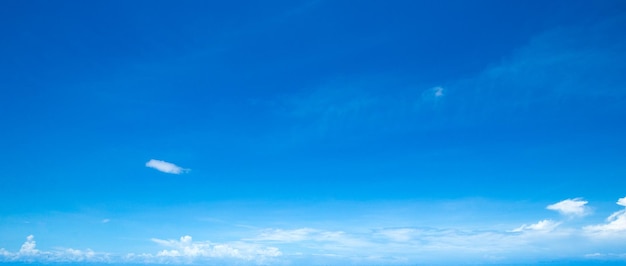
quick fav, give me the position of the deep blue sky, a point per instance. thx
(272, 109)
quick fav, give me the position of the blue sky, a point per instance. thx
(313, 132)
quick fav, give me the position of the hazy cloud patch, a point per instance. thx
(543, 226)
(185, 248)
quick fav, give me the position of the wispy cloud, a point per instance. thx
(570, 207)
(185, 248)
(281, 235)
(433, 94)
(615, 226)
(559, 70)
(543, 225)
(166, 167)
(308, 235)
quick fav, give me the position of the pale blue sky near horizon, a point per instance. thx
(325, 132)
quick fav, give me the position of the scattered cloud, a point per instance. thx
(29, 253)
(393, 245)
(570, 207)
(166, 167)
(622, 201)
(616, 222)
(543, 226)
(185, 248)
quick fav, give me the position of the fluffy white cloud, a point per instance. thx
(616, 222)
(184, 250)
(570, 207)
(29, 248)
(29, 253)
(543, 226)
(622, 201)
(166, 167)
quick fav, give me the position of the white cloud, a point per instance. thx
(622, 201)
(29, 248)
(616, 222)
(166, 167)
(185, 248)
(543, 226)
(363, 244)
(104, 221)
(29, 253)
(570, 207)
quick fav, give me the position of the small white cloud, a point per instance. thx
(622, 201)
(105, 220)
(166, 167)
(570, 207)
(543, 226)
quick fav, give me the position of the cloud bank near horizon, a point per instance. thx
(398, 245)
